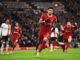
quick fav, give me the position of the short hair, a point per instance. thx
(50, 7)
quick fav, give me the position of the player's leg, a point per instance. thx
(61, 42)
(15, 43)
(2, 47)
(40, 38)
(2, 44)
(66, 45)
(51, 41)
(39, 43)
(7, 47)
(7, 44)
(42, 45)
(54, 38)
(38, 48)
(46, 36)
(13, 46)
(65, 40)
(53, 44)
(68, 42)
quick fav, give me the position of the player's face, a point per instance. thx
(7, 21)
(68, 23)
(50, 11)
(16, 24)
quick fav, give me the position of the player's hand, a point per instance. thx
(47, 22)
(43, 21)
(69, 39)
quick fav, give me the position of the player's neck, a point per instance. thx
(7, 23)
(17, 27)
(50, 15)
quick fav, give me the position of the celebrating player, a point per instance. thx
(46, 21)
(5, 33)
(16, 33)
(68, 34)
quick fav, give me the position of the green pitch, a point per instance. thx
(72, 54)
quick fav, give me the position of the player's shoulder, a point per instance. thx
(54, 16)
(3, 23)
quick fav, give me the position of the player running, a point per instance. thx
(46, 21)
(16, 34)
(5, 33)
(68, 34)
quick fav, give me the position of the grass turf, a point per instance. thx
(72, 54)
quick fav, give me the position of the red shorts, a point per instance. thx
(67, 35)
(15, 38)
(43, 33)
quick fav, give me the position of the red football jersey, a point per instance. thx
(45, 28)
(67, 31)
(50, 20)
(16, 31)
(68, 28)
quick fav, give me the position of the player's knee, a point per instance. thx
(45, 38)
(69, 39)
